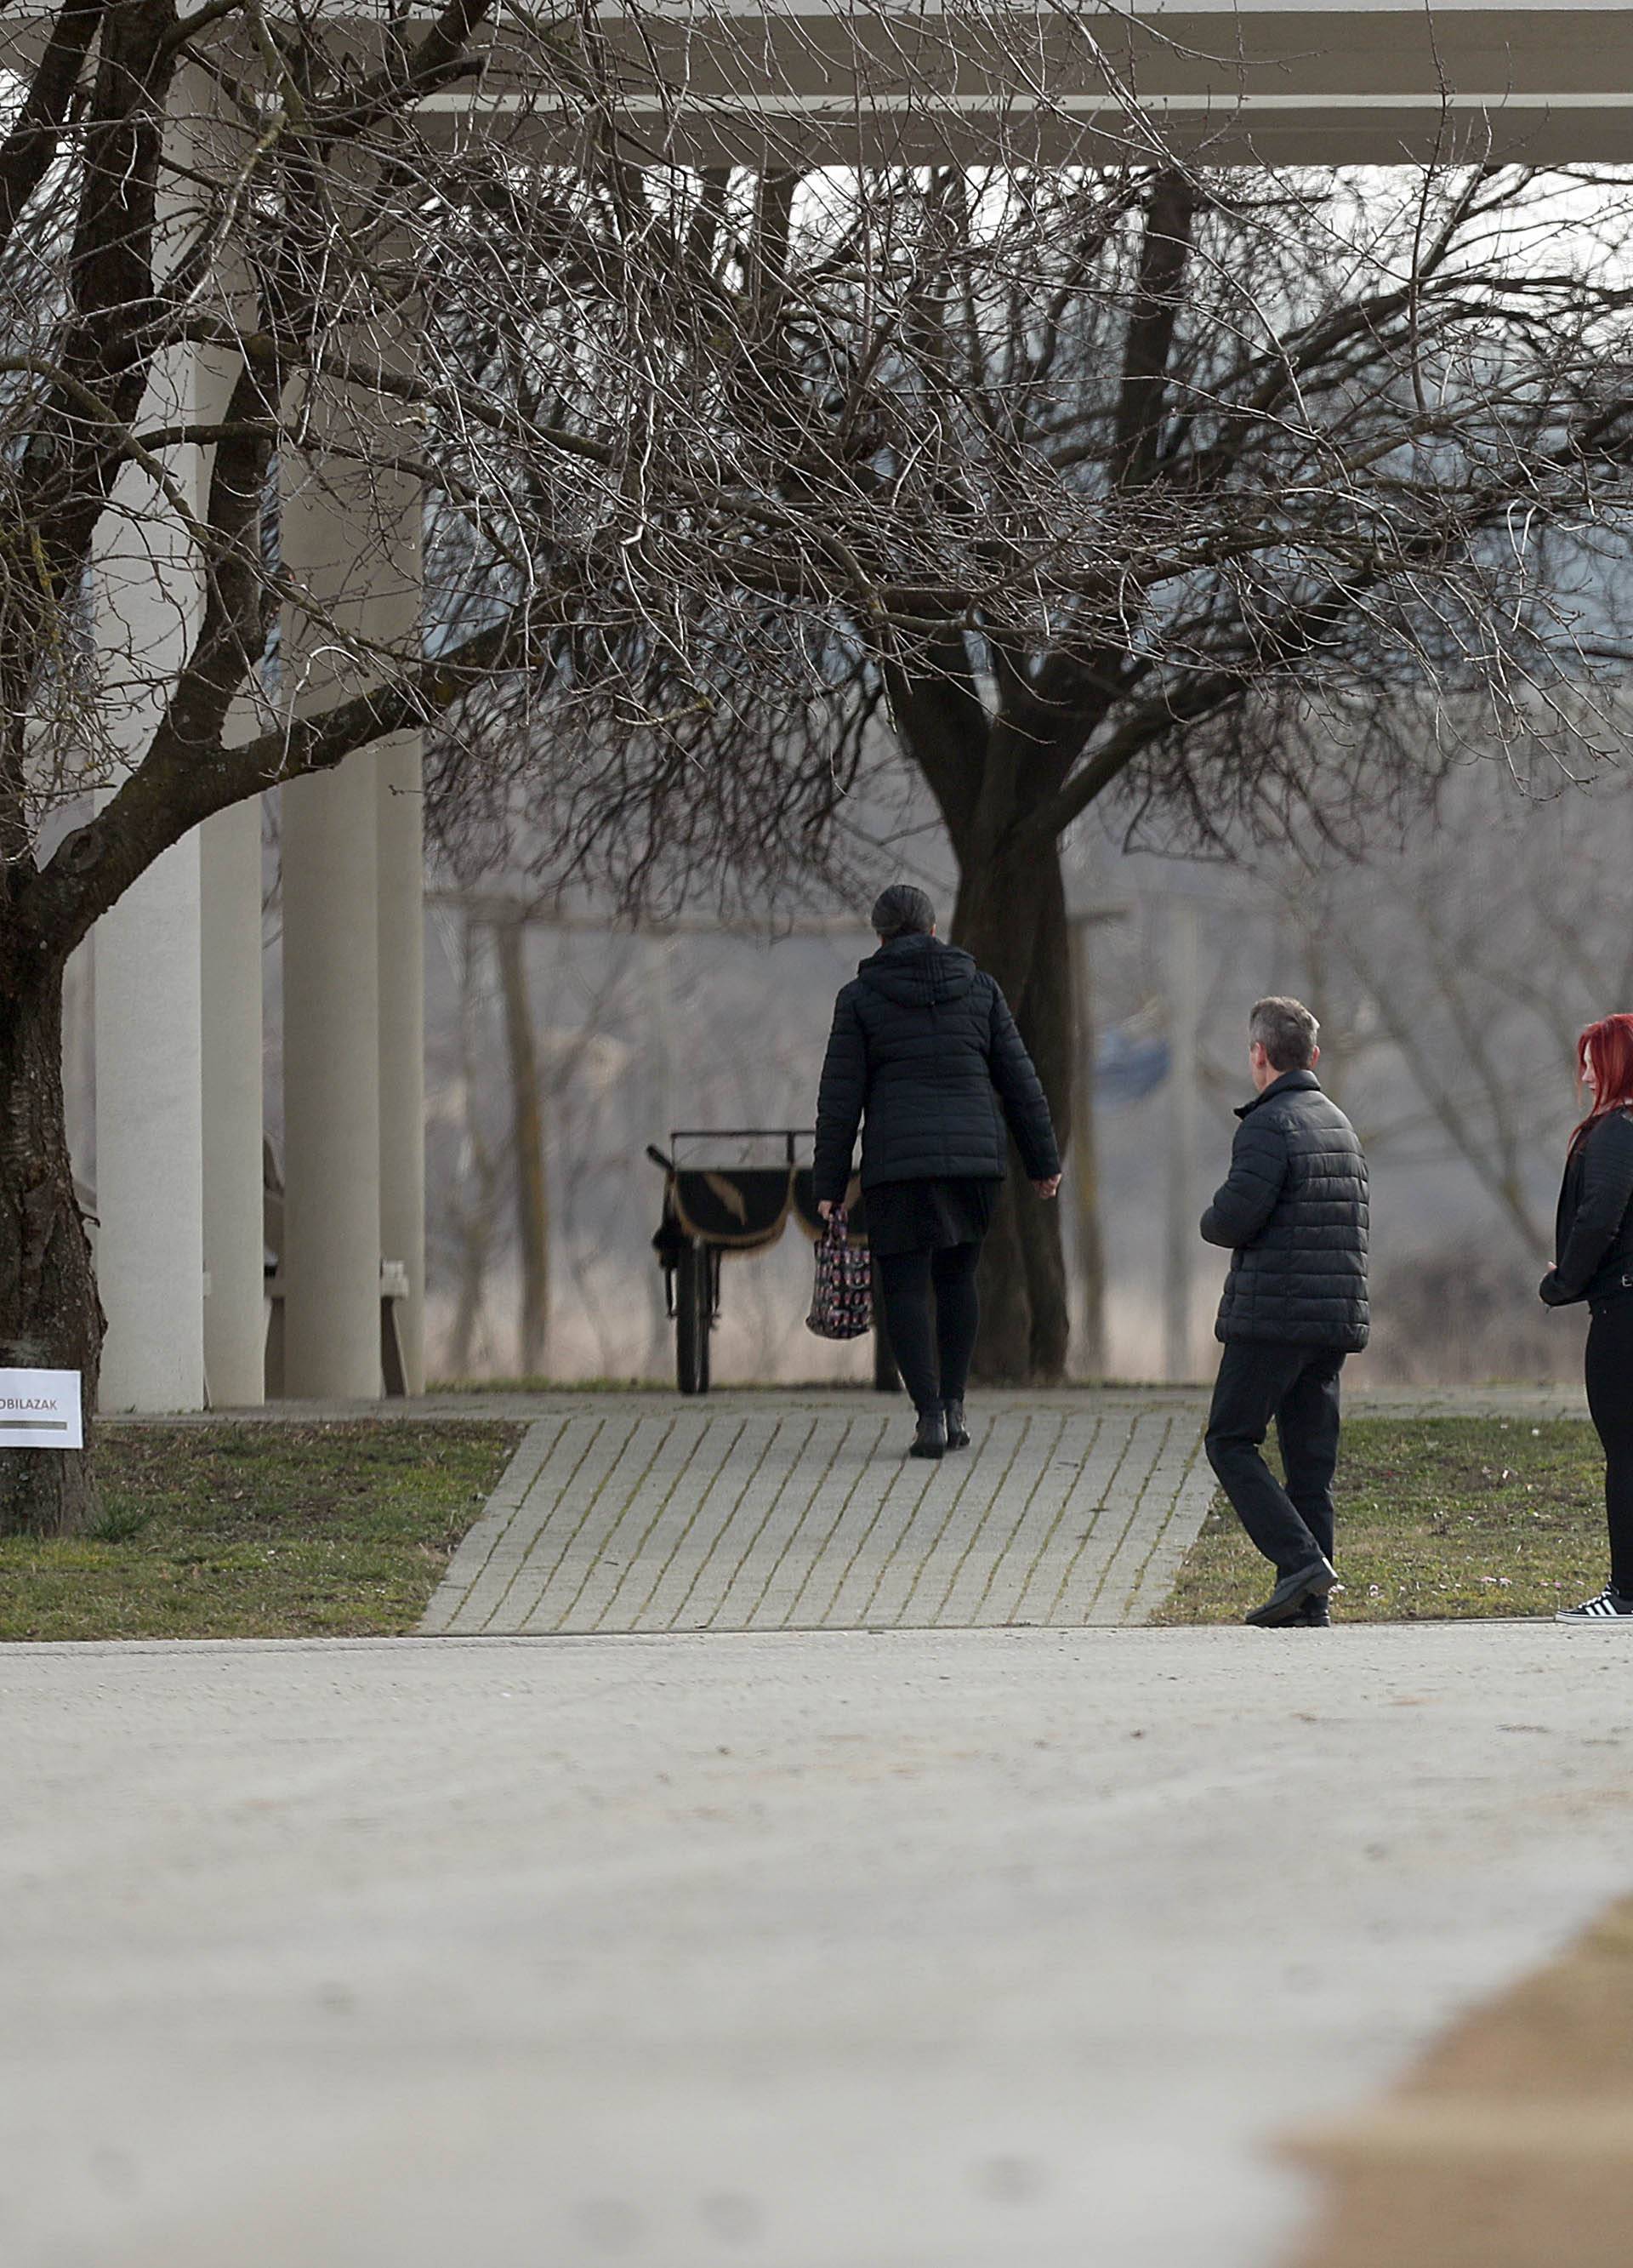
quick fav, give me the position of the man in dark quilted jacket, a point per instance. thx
(1293, 1216)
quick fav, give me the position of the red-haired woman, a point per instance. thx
(1594, 1242)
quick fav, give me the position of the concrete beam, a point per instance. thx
(827, 82)
(1220, 84)
(819, 82)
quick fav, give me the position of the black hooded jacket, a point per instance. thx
(1593, 1227)
(925, 1057)
(1293, 1215)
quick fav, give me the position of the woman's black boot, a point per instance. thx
(930, 1440)
(958, 1433)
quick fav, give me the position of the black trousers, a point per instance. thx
(1609, 1370)
(1297, 1387)
(933, 1358)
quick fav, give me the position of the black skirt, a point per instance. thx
(929, 1216)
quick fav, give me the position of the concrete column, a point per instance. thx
(150, 1140)
(353, 947)
(401, 850)
(147, 951)
(229, 927)
(149, 1130)
(331, 1083)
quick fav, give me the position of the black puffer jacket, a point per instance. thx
(1294, 1213)
(1593, 1229)
(924, 1055)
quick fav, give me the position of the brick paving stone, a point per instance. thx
(591, 1448)
(623, 1513)
(988, 1585)
(604, 1571)
(947, 1526)
(767, 1552)
(786, 1579)
(488, 1584)
(487, 1548)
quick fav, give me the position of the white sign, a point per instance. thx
(41, 1409)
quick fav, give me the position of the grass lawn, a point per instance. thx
(1437, 1516)
(258, 1531)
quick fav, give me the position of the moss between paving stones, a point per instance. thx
(1437, 1516)
(267, 1530)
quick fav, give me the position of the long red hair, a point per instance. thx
(1606, 1049)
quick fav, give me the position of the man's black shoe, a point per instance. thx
(1285, 1603)
(930, 1440)
(958, 1433)
(1315, 1614)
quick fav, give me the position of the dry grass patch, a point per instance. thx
(1437, 1517)
(260, 1530)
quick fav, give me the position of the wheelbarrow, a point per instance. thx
(715, 1208)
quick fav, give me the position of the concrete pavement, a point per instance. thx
(929, 1949)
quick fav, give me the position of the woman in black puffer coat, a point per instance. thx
(925, 1057)
(1593, 1249)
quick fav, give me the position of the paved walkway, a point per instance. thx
(748, 1512)
(938, 1949)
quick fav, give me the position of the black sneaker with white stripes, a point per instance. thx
(1608, 1605)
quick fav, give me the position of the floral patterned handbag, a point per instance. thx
(842, 1306)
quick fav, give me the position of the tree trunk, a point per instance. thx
(1012, 917)
(50, 1317)
(532, 1208)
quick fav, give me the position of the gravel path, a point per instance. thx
(928, 1949)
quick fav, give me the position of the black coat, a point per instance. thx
(1294, 1214)
(924, 1056)
(1593, 1227)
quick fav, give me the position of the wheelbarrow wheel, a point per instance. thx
(694, 1309)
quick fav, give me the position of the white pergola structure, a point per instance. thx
(1225, 81)
(179, 1040)
(178, 1034)
(178, 1057)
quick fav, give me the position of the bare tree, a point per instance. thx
(1092, 483)
(1473, 951)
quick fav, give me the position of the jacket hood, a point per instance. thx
(1290, 1082)
(917, 972)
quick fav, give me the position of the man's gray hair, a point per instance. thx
(1286, 1031)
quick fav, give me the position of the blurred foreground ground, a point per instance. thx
(819, 1950)
(1510, 2144)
